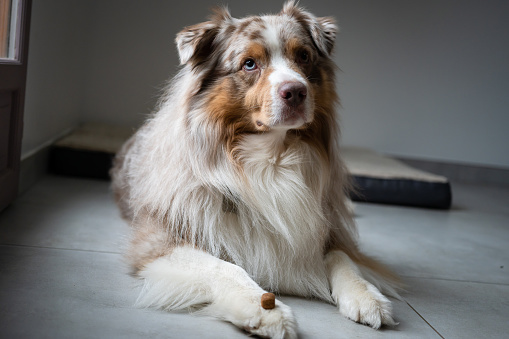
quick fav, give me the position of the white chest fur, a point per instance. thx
(278, 231)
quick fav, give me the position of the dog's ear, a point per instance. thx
(322, 30)
(324, 33)
(195, 43)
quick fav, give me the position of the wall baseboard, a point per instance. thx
(33, 168)
(462, 173)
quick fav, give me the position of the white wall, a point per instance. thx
(427, 79)
(418, 79)
(56, 76)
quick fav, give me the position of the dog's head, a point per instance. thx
(263, 72)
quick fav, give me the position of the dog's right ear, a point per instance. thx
(196, 43)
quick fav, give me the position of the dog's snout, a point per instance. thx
(293, 93)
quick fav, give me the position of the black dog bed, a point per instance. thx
(88, 151)
(380, 179)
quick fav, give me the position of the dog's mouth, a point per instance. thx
(293, 117)
(285, 118)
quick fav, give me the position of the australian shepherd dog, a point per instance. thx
(235, 186)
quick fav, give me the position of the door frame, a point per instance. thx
(13, 74)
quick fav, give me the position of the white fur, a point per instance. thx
(358, 299)
(190, 277)
(278, 230)
(282, 73)
(279, 200)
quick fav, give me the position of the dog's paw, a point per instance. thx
(275, 323)
(247, 313)
(366, 305)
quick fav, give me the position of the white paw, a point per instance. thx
(248, 314)
(275, 323)
(365, 304)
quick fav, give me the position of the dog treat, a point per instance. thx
(268, 301)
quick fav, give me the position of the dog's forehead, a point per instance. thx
(272, 31)
(277, 31)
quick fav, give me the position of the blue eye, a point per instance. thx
(250, 65)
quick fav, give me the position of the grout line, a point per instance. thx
(434, 329)
(61, 248)
(455, 280)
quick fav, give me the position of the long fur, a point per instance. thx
(201, 173)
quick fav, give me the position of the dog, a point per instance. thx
(235, 186)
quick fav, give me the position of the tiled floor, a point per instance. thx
(62, 274)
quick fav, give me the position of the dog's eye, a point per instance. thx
(250, 65)
(303, 57)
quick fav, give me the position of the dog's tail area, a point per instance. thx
(379, 275)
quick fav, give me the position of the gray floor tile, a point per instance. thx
(47, 293)
(319, 320)
(59, 190)
(459, 309)
(458, 244)
(65, 213)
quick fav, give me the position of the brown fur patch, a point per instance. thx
(229, 116)
(293, 49)
(244, 25)
(319, 132)
(230, 29)
(293, 46)
(258, 52)
(258, 99)
(247, 22)
(255, 35)
(149, 241)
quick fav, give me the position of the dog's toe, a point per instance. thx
(245, 311)
(368, 306)
(277, 323)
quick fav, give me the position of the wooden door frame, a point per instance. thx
(13, 75)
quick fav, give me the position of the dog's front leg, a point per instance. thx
(356, 298)
(189, 278)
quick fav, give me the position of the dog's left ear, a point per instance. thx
(196, 43)
(324, 33)
(323, 30)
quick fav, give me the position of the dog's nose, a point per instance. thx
(293, 93)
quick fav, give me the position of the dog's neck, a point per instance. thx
(268, 146)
